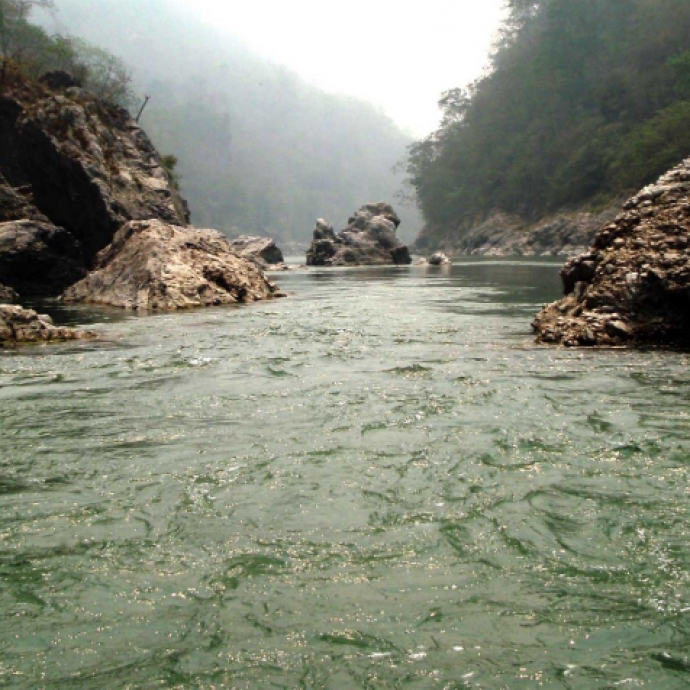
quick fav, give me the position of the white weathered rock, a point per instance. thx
(263, 251)
(159, 267)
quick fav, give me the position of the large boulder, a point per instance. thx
(261, 250)
(18, 325)
(369, 239)
(39, 258)
(152, 265)
(86, 165)
(633, 286)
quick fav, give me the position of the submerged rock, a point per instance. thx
(19, 325)
(369, 239)
(263, 251)
(439, 259)
(152, 265)
(633, 286)
(38, 257)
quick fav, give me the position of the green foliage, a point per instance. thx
(20, 41)
(101, 72)
(586, 100)
(31, 49)
(169, 165)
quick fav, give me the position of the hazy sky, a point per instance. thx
(398, 54)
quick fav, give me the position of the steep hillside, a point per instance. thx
(259, 150)
(585, 102)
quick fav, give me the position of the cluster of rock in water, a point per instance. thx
(369, 239)
(89, 213)
(633, 286)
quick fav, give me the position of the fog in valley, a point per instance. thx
(260, 149)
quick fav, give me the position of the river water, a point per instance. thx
(379, 482)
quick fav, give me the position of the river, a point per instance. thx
(378, 482)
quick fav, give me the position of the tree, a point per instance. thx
(101, 73)
(18, 38)
(586, 101)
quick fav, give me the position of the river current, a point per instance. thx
(378, 482)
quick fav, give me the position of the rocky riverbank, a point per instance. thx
(506, 235)
(632, 287)
(87, 208)
(19, 325)
(368, 240)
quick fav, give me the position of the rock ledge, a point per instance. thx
(633, 286)
(19, 325)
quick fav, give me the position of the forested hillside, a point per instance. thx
(259, 150)
(585, 101)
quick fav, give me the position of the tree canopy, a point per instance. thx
(32, 50)
(585, 101)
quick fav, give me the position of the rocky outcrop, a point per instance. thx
(369, 239)
(507, 235)
(16, 204)
(8, 295)
(82, 187)
(633, 286)
(263, 251)
(152, 265)
(439, 259)
(18, 325)
(39, 258)
(86, 166)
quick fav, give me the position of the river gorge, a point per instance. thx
(378, 482)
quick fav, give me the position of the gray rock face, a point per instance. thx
(8, 295)
(155, 266)
(88, 167)
(507, 235)
(38, 258)
(17, 206)
(81, 186)
(18, 325)
(369, 239)
(633, 286)
(261, 250)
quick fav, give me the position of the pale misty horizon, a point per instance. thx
(400, 57)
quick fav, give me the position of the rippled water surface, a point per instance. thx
(379, 482)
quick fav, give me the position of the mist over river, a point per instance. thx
(379, 482)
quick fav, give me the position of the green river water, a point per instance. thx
(378, 482)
